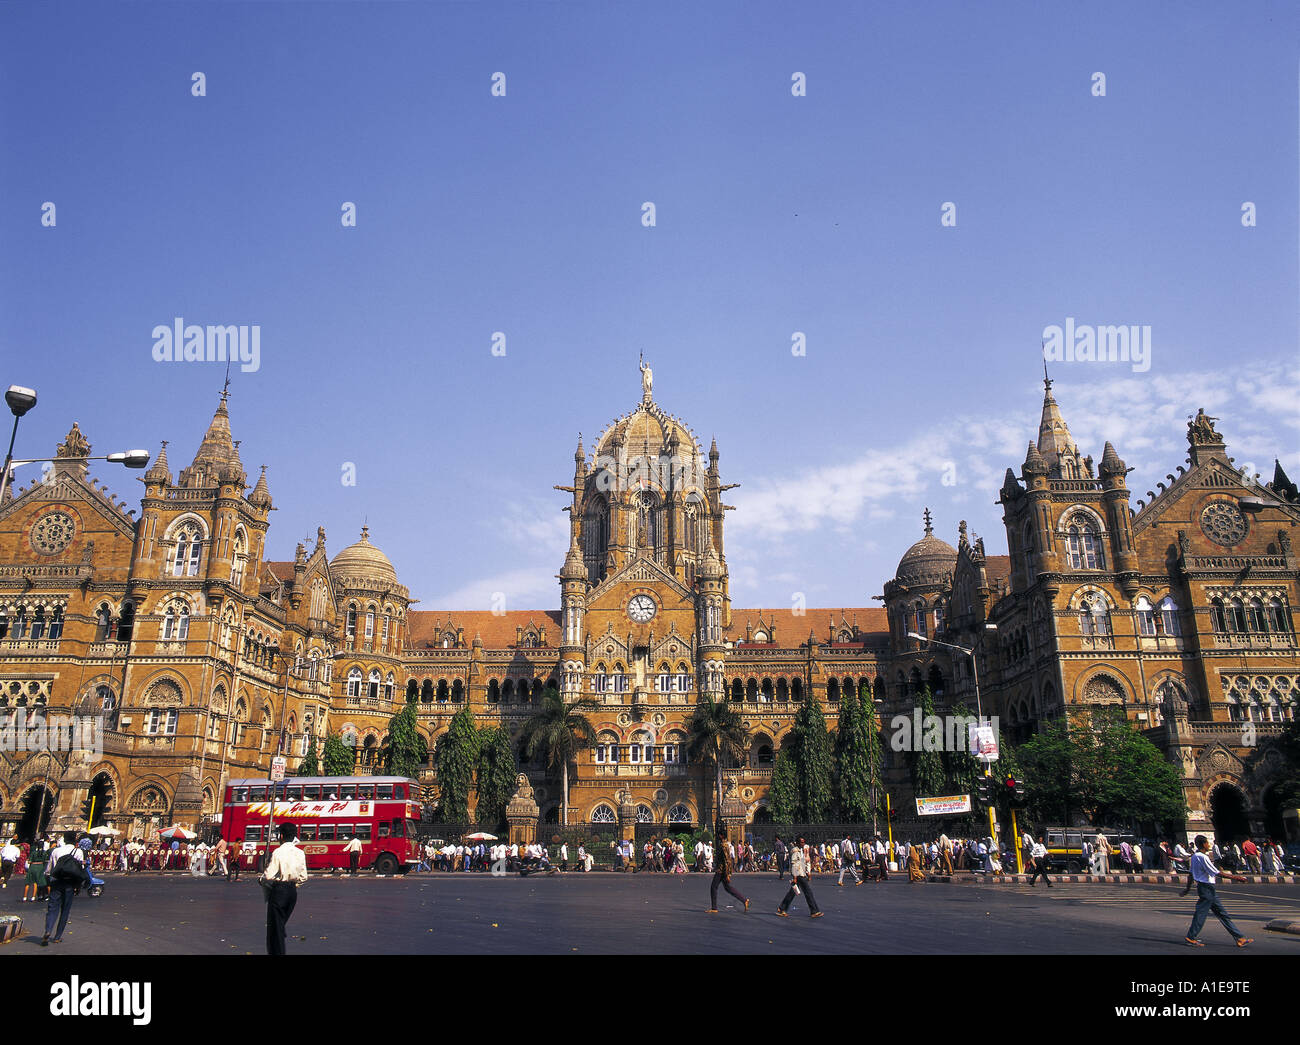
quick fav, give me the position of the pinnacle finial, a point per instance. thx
(929, 529)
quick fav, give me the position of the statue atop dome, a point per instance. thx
(647, 379)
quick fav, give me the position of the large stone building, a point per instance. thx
(206, 657)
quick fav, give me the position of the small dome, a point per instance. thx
(364, 560)
(929, 562)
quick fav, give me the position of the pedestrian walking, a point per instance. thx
(66, 871)
(1038, 854)
(847, 861)
(799, 882)
(726, 864)
(779, 848)
(353, 849)
(286, 871)
(1205, 873)
(36, 859)
(8, 861)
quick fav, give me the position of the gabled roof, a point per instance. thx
(498, 631)
(68, 484)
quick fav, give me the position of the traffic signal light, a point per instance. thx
(984, 789)
(87, 811)
(1020, 793)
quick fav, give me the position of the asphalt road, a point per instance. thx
(605, 913)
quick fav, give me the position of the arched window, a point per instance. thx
(1083, 548)
(1094, 617)
(1255, 616)
(103, 624)
(372, 688)
(679, 814)
(1169, 617)
(1146, 617)
(352, 623)
(354, 682)
(176, 622)
(189, 547)
(1218, 616)
(1277, 617)
(919, 615)
(1236, 616)
(370, 624)
(603, 814)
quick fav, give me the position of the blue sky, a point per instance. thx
(774, 214)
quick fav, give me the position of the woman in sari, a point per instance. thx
(914, 872)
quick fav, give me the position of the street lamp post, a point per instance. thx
(20, 400)
(979, 708)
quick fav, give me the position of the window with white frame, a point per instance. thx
(189, 547)
(1146, 617)
(372, 689)
(370, 625)
(161, 722)
(1083, 546)
(354, 682)
(176, 622)
(1169, 616)
(352, 623)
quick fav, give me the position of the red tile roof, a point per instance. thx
(498, 631)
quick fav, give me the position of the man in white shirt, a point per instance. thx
(1038, 856)
(564, 856)
(847, 862)
(8, 860)
(286, 871)
(1205, 873)
(63, 887)
(353, 849)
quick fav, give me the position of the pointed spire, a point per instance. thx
(261, 495)
(1055, 444)
(580, 455)
(1034, 462)
(929, 528)
(159, 472)
(573, 568)
(216, 454)
(1111, 464)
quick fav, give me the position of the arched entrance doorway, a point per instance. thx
(1228, 813)
(37, 805)
(101, 799)
(1273, 825)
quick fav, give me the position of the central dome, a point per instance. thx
(363, 559)
(929, 562)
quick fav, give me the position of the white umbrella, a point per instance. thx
(480, 836)
(103, 829)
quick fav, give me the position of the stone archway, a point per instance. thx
(1228, 813)
(37, 806)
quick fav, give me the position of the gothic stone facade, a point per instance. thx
(207, 658)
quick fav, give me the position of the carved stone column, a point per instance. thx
(627, 823)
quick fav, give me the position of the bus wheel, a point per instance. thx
(1074, 867)
(386, 864)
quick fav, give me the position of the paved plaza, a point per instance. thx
(604, 913)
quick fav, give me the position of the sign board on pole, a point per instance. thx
(984, 742)
(947, 805)
(277, 768)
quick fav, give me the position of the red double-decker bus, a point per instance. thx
(382, 811)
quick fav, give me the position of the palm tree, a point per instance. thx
(561, 730)
(714, 730)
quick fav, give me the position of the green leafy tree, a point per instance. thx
(853, 755)
(815, 761)
(406, 751)
(336, 757)
(310, 764)
(559, 731)
(962, 770)
(925, 761)
(496, 774)
(714, 732)
(1134, 779)
(784, 792)
(1102, 768)
(454, 756)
